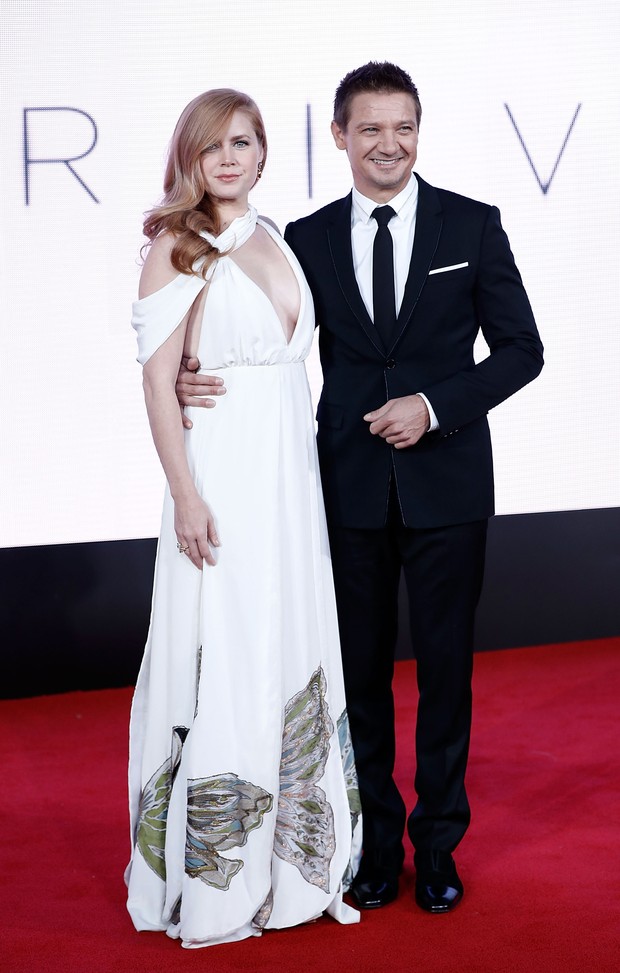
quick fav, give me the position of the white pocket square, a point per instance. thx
(443, 270)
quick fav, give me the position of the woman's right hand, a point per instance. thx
(194, 525)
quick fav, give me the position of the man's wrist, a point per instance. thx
(434, 424)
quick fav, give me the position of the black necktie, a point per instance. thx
(383, 299)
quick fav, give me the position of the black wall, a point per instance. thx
(75, 616)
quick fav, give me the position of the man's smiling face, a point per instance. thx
(381, 140)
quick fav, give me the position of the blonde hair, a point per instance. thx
(186, 208)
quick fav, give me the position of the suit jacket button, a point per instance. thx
(390, 363)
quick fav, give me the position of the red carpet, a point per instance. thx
(540, 861)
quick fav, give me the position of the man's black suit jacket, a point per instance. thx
(462, 279)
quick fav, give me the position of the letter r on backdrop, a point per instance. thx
(35, 135)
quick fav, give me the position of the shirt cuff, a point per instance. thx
(434, 423)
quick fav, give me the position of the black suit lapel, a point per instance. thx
(429, 221)
(339, 235)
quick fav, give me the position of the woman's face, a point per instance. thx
(229, 166)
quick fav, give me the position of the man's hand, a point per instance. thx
(401, 422)
(193, 389)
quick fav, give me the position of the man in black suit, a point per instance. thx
(405, 453)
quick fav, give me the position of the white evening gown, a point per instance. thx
(243, 796)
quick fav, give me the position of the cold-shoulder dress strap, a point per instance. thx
(156, 316)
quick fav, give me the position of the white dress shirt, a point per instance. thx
(402, 229)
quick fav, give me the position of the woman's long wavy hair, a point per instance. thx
(186, 208)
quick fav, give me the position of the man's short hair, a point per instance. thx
(380, 76)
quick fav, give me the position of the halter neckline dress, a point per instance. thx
(243, 796)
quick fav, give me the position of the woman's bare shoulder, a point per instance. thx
(265, 219)
(158, 270)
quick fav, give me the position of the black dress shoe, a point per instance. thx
(438, 887)
(373, 891)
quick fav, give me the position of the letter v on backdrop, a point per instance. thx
(544, 186)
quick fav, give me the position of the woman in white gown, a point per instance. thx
(243, 796)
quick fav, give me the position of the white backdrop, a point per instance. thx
(108, 81)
